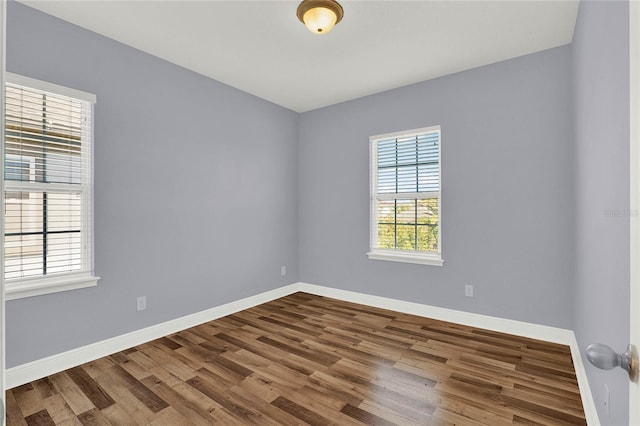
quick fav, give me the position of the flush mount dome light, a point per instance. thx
(320, 16)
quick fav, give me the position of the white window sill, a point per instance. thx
(40, 286)
(407, 257)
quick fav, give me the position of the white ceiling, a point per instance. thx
(260, 47)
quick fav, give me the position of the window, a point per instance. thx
(48, 244)
(405, 197)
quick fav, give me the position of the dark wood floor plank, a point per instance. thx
(305, 359)
(299, 411)
(365, 416)
(90, 388)
(41, 418)
(152, 401)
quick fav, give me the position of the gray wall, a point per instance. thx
(601, 78)
(195, 189)
(535, 152)
(507, 200)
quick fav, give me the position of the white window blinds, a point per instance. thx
(405, 192)
(47, 166)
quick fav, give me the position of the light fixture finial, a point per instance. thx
(319, 16)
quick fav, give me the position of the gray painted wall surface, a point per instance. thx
(507, 200)
(195, 189)
(535, 150)
(601, 78)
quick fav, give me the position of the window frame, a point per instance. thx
(17, 288)
(398, 255)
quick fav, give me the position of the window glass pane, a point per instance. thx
(386, 181)
(409, 164)
(387, 153)
(64, 212)
(386, 212)
(406, 212)
(386, 224)
(428, 237)
(23, 234)
(386, 236)
(64, 252)
(407, 177)
(429, 177)
(31, 249)
(24, 213)
(398, 228)
(428, 211)
(405, 237)
(428, 225)
(17, 169)
(23, 256)
(406, 151)
(43, 137)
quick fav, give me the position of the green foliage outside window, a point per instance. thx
(408, 225)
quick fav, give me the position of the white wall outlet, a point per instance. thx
(606, 401)
(468, 290)
(283, 270)
(141, 303)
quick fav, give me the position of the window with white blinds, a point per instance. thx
(405, 197)
(48, 243)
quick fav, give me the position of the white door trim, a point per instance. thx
(3, 26)
(634, 197)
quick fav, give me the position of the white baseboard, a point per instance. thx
(524, 329)
(34, 370)
(44, 367)
(518, 328)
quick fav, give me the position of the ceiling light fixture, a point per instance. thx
(320, 16)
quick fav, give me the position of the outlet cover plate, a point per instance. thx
(468, 290)
(141, 303)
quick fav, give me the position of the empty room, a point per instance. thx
(320, 212)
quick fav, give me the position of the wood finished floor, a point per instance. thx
(304, 359)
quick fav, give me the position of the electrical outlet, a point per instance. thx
(606, 401)
(283, 270)
(468, 290)
(141, 303)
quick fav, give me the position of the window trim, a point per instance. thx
(394, 255)
(58, 282)
(28, 287)
(45, 86)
